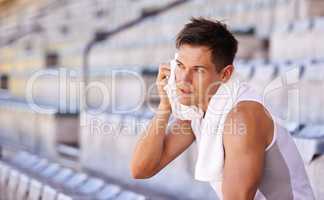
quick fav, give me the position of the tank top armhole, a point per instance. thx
(274, 136)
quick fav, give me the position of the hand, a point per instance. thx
(161, 82)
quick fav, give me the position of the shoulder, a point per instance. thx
(248, 125)
(248, 111)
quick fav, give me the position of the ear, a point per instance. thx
(227, 72)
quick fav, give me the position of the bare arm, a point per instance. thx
(247, 132)
(157, 147)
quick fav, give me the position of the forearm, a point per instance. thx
(149, 148)
(239, 193)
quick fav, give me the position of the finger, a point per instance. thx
(163, 78)
(164, 71)
(164, 74)
(164, 66)
(162, 83)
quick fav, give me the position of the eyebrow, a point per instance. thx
(196, 66)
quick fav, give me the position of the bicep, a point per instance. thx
(178, 139)
(244, 156)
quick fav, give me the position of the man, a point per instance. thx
(260, 163)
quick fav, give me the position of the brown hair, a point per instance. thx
(212, 34)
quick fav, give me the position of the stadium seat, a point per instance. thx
(25, 160)
(62, 176)
(245, 71)
(50, 171)
(64, 197)
(238, 14)
(317, 38)
(8, 122)
(20, 157)
(128, 195)
(35, 190)
(41, 165)
(5, 171)
(49, 193)
(27, 127)
(93, 134)
(281, 94)
(278, 41)
(293, 127)
(263, 75)
(316, 173)
(265, 13)
(76, 181)
(12, 185)
(108, 192)
(284, 12)
(91, 186)
(301, 34)
(311, 83)
(23, 187)
(310, 142)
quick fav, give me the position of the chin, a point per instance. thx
(185, 101)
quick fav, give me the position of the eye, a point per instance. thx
(199, 70)
(180, 66)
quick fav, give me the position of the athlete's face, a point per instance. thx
(196, 75)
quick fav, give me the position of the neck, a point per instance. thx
(205, 101)
(204, 105)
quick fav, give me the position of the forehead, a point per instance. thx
(195, 55)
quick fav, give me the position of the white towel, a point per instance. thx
(179, 110)
(210, 160)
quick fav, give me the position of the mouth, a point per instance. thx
(184, 91)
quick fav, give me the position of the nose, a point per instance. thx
(185, 76)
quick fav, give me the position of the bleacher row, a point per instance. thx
(265, 16)
(116, 136)
(276, 81)
(298, 40)
(272, 12)
(39, 132)
(307, 77)
(29, 177)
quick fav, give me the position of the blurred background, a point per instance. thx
(77, 89)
